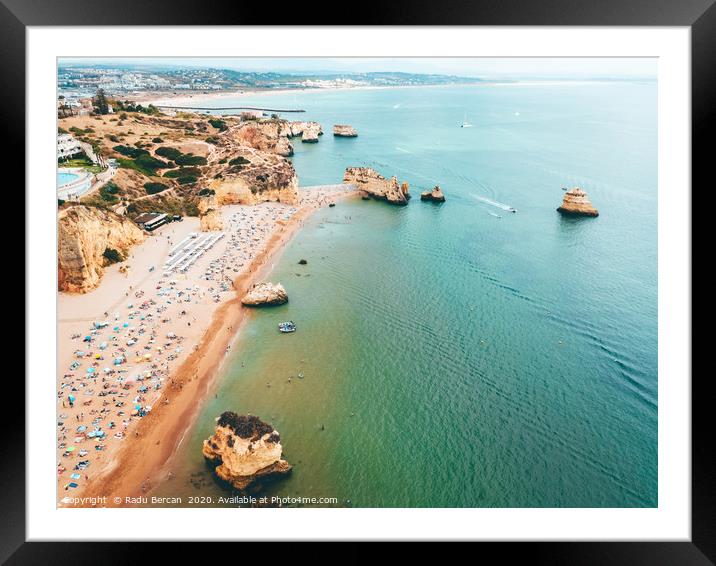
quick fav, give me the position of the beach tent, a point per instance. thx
(87, 338)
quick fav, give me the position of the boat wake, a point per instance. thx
(494, 203)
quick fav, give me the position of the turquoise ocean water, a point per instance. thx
(460, 355)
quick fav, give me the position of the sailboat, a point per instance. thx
(465, 123)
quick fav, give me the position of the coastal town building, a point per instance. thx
(67, 146)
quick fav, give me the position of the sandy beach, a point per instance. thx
(194, 98)
(137, 355)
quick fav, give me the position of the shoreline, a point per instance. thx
(171, 98)
(142, 461)
(180, 98)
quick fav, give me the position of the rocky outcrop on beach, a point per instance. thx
(265, 294)
(211, 221)
(344, 131)
(246, 451)
(576, 203)
(210, 217)
(249, 176)
(84, 235)
(436, 195)
(372, 183)
(309, 131)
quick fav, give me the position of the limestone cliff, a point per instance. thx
(372, 183)
(83, 235)
(264, 135)
(576, 203)
(246, 451)
(249, 176)
(265, 294)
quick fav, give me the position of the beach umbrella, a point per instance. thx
(71, 398)
(116, 328)
(90, 370)
(125, 325)
(70, 449)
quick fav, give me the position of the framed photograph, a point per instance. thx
(422, 280)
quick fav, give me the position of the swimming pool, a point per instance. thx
(66, 178)
(72, 183)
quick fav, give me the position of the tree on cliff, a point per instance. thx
(100, 102)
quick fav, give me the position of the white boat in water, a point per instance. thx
(465, 123)
(288, 326)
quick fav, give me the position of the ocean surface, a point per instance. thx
(460, 355)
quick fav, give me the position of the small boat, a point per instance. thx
(288, 326)
(465, 123)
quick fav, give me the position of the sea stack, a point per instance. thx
(344, 131)
(436, 195)
(576, 203)
(371, 183)
(265, 294)
(246, 451)
(309, 131)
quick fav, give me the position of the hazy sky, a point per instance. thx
(558, 67)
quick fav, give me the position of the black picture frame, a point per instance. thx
(699, 15)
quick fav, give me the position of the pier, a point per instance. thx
(275, 110)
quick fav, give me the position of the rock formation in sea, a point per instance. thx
(309, 131)
(369, 182)
(576, 203)
(344, 131)
(246, 451)
(436, 195)
(264, 294)
(243, 175)
(88, 239)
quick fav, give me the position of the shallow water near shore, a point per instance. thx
(459, 355)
